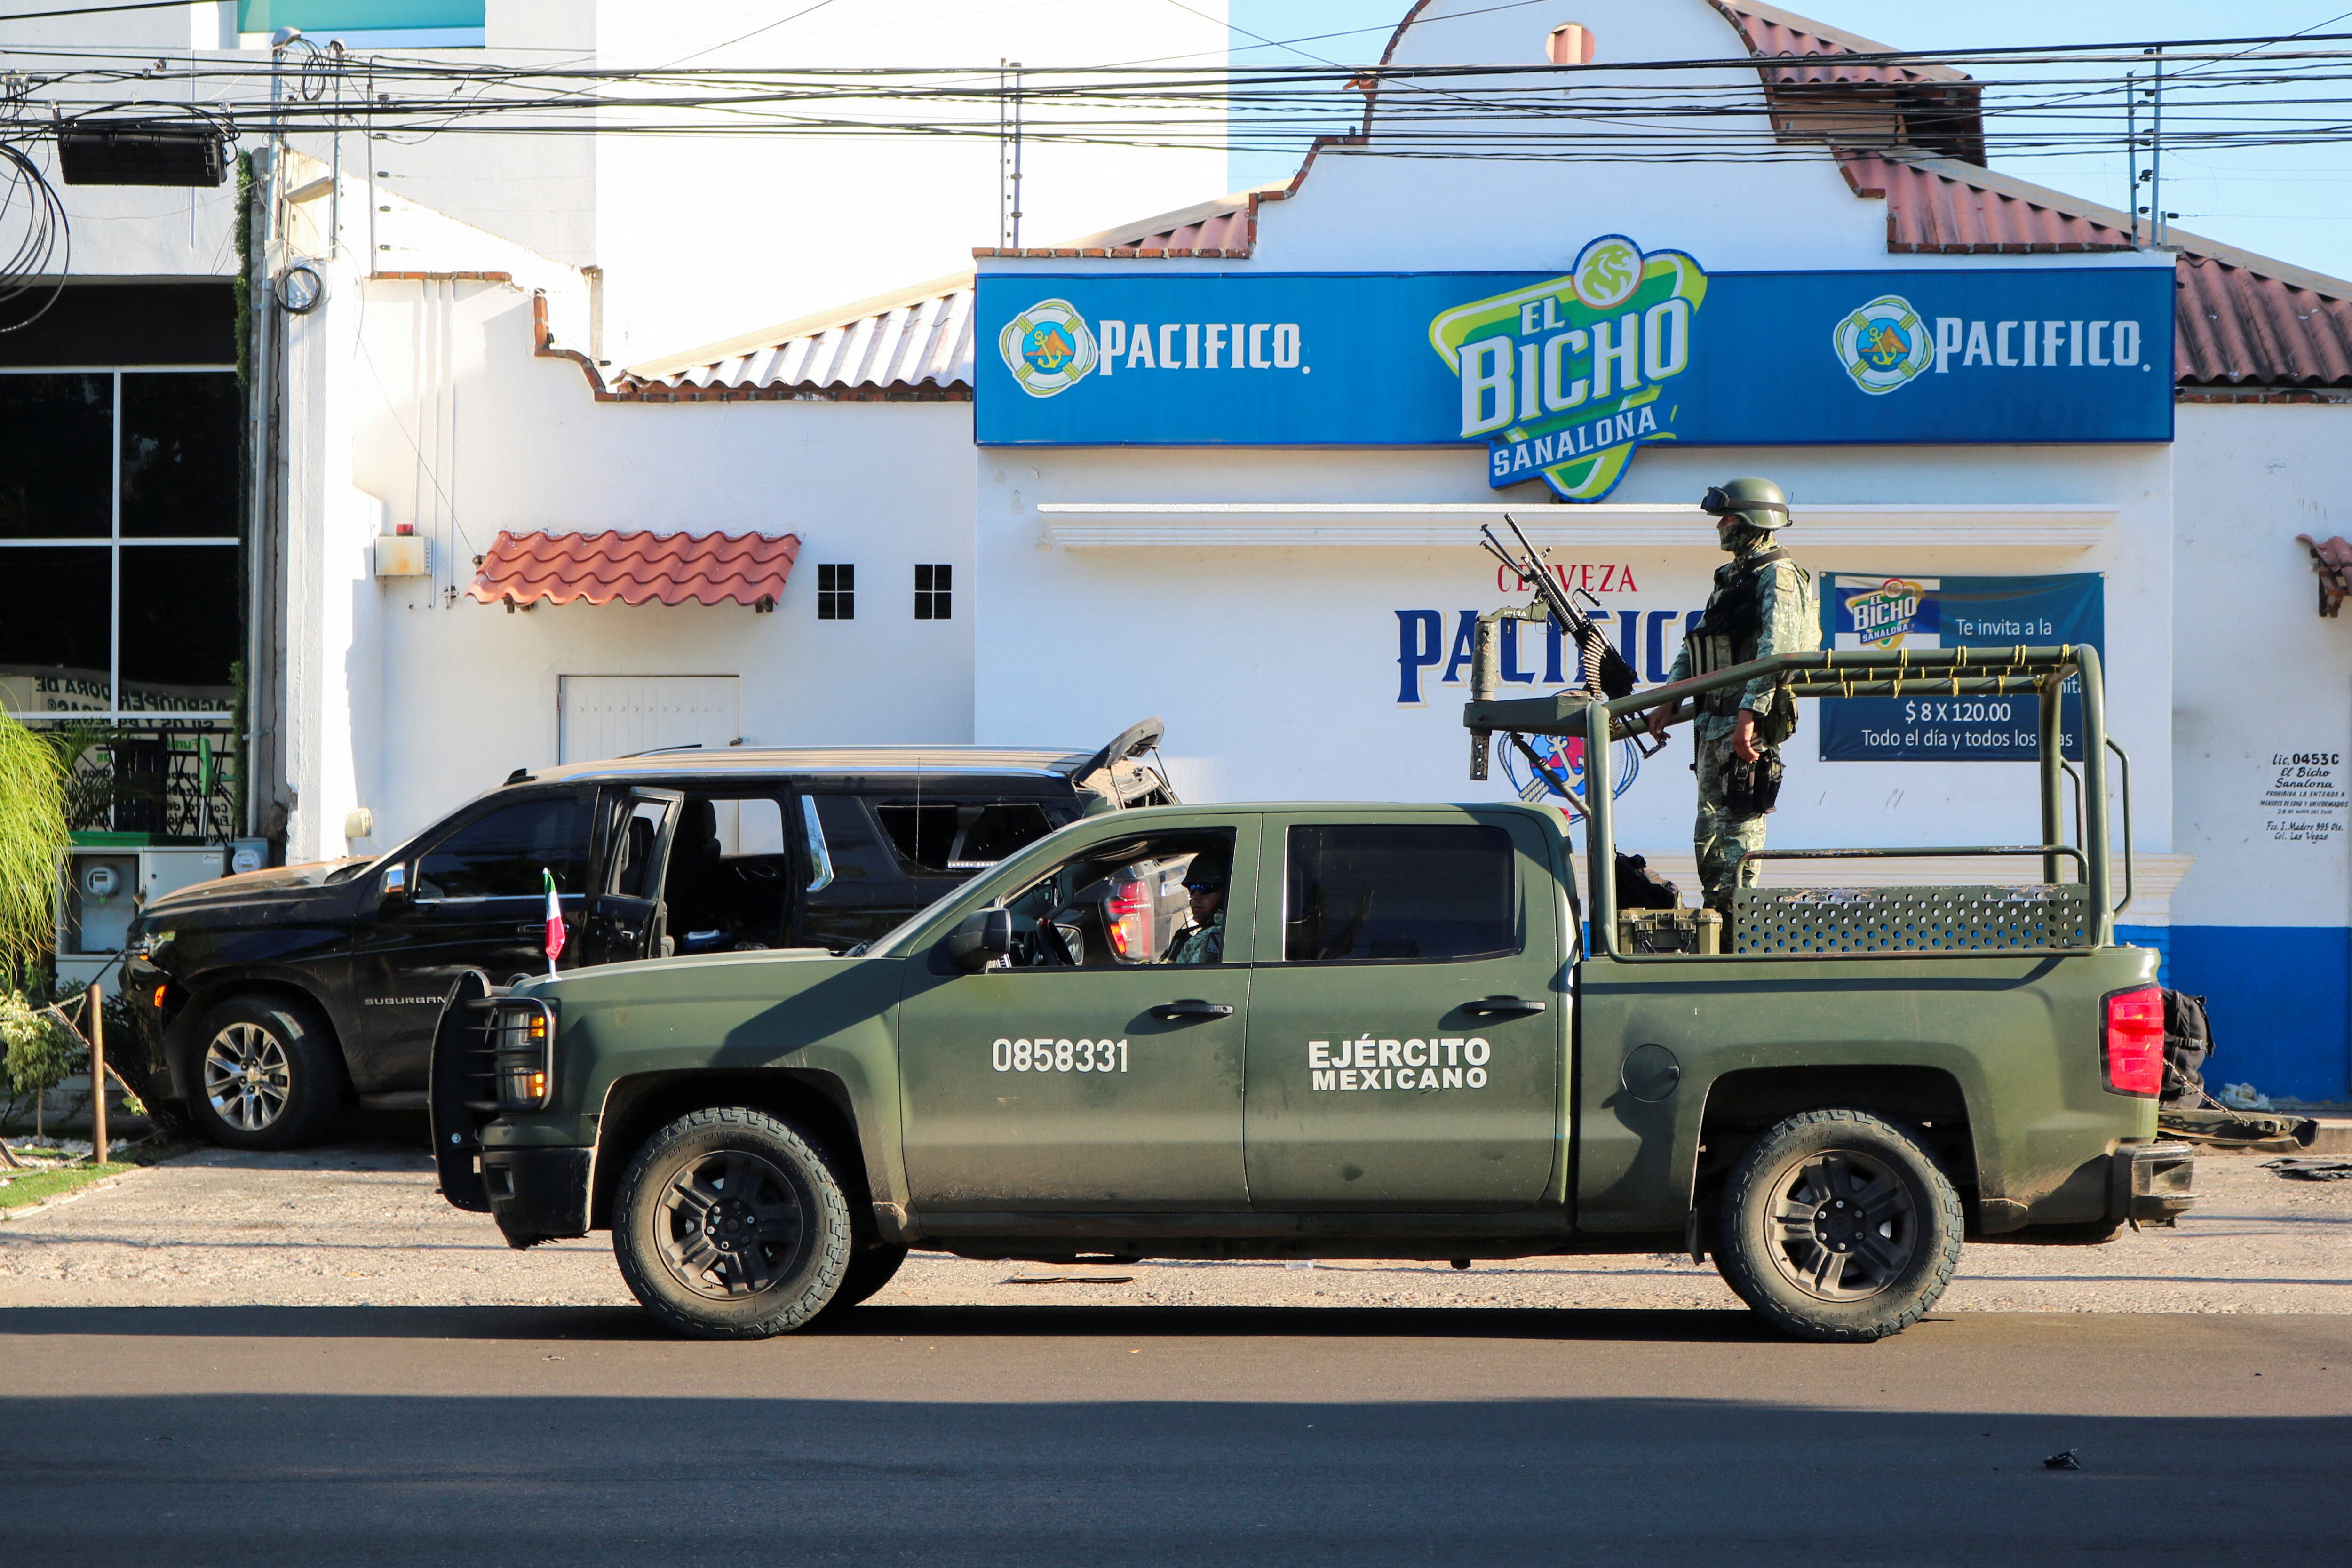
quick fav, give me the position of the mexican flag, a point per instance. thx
(554, 920)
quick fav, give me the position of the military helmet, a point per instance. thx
(1207, 873)
(1758, 503)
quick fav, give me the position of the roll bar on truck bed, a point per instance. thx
(2021, 671)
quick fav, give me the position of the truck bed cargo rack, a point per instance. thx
(1967, 921)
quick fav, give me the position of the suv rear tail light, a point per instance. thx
(2131, 1041)
(1128, 913)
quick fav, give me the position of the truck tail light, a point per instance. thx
(2131, 1041)
(1128, 913)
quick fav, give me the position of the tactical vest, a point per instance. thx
(1734, 624)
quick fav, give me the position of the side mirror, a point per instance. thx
(979, 939)
(396, 885)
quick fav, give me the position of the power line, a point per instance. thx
(754, 33)
(94, 10)
(2260, 93)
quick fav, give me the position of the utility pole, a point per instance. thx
(1008, 139)
(2131, 153)
(2152, 177)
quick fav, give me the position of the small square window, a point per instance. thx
(836, 592)
(933, 598)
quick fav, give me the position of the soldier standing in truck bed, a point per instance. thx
(1763, 605)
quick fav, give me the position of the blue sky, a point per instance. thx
(2291, 202)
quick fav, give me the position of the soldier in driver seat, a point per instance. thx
(1204, 940)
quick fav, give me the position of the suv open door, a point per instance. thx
(626, 918)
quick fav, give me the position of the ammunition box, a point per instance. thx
(1669, 931)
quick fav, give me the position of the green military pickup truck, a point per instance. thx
(1384, 1032)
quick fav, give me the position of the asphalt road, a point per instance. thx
(1144, 1435)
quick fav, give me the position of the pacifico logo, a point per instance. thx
(1562, 378)
(1049, 348)
(1884, 344)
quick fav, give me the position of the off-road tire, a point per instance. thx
(780, 1263)
(870, 1268)
(263, 1072)
(1838, 1227)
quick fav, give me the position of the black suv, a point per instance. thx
(259, 1001)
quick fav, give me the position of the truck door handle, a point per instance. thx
(1192, 1007)
(1501, 1006)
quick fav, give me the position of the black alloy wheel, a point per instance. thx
(1839, 1226)
(1844, 1226)
(266, 1073)
(732, 1224)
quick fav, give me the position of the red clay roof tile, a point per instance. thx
(637, 568)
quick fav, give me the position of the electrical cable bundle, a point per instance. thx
(36, 262)
(2279, 89)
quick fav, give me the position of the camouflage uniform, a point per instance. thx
(1787, 621)
(1201, 944)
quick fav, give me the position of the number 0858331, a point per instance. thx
(1060, 1056)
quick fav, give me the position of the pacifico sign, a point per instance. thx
(1563, 376)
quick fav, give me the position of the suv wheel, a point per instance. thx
(1838, 1227)
(267, 1075)
(730, 1224)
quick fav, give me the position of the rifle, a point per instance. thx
(1602, 669)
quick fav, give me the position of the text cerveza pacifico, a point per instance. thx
(1426, 655)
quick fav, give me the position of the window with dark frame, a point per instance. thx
(1375, 891)
(933, 596)
(120, 540)
(836, 592)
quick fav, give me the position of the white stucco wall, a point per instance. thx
(1281, 677)
(422, 403)
(2262, 675)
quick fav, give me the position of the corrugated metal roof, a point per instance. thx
(1775, 34)
(637, 568)
(2233, 327)
(1831, 93)
(917, 340)
(1223, 229)
(1955, 207)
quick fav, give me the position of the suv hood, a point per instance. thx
(249, 885)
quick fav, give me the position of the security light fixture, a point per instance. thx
(138, 152)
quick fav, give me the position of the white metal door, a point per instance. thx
(617, 715)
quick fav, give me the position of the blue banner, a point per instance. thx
(1564, 376)
(1870, 610)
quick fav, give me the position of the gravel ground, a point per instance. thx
(359, 1224)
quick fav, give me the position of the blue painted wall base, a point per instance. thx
(2280, 1001)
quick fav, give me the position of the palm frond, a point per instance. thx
(32, 836)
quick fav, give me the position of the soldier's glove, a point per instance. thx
(1751, 789)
